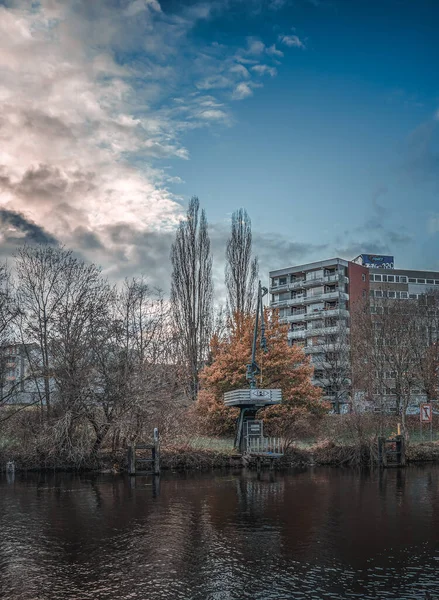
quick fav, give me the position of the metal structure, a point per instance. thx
(249, 401)
(150, 462)
(391, 452)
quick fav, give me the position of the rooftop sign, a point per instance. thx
(375, 261)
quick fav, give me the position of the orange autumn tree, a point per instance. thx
(282, 366)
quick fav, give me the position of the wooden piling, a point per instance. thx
(132, 460)
(152, 465)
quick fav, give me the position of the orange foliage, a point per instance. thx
(282, 366)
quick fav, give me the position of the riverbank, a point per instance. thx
(185, 457)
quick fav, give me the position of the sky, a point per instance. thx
(320, 117)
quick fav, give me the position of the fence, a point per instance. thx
(263, 445)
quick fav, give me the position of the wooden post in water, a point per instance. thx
(402, 451)
(132, 460)
(156, 452)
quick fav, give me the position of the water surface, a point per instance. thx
(317, 534)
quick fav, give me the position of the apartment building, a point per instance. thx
(316, 299)
(17, 386)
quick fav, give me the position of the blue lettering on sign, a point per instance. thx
(377, 261)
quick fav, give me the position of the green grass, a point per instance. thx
(209, 443)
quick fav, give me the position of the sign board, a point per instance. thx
(256, 394)
(252, 397)
(253, 428)
(426, 412)
(377, 261)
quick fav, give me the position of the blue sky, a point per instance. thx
(321, 118)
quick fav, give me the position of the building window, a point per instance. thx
(413, 296)
(378, 294)
(384, 277)
(392, 294)
(412, 280)
(364, 293)
(421, 280)
(436, 281)
(403, 279)
(371, 277)
(404, 295)
(363, 277)
(397, 278)
(282, 281)
(377, 277)
(430, 281)
(391, 278)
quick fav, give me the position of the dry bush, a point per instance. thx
(38, 445)
(182, 457)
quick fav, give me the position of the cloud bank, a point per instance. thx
(96, 96)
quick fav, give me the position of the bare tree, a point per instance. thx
(367, 351)
(426, 344)
(39, 271)
(8, 313)
(333, 366)
(242, 270)
(385, 360)
(131, 349)
(192, 292)
(60, 298)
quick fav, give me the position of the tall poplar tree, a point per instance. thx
(241, 268)
(192, 292)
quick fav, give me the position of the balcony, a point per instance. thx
(336, 295)
(280, 303)
(319, 348)
(274, 289)
(294, 318)
(326, 331)
(298, 334)
(327, 312)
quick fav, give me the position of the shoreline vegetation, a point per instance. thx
(204, 454)
(191, 459)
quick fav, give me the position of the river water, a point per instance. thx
(317, 534)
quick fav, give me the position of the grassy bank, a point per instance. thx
(341, 442)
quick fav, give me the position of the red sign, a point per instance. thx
(426, 413)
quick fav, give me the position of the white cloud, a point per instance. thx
(240, 70)
(92, 96)
(254, 46)
(215, 82)
(273, 51)
(292, 41)
(241, 91)
(433, 224)
(264, 70)
(214, 115)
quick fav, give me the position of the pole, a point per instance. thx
(132, 460)
(156, 452)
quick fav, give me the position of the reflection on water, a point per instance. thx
(322, 533)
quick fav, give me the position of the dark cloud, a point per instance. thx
(133, 252)
(33, 233)
(421, 160)
(382, 238)
(352, 249)
(45, 182)
(38, 122)
(87, 240)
